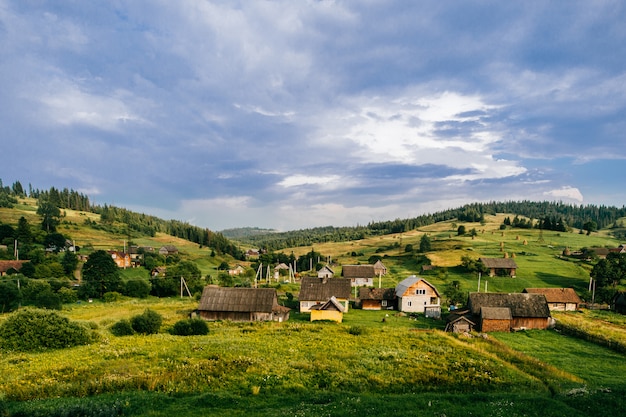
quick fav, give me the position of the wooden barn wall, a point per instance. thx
(529, 323)
(495, 325)
(234, 316)
(371, 305)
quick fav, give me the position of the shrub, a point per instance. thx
(33, 329)
(138, 288)
(122, 328)
(356, 330)
(149, 322)
(190, 327)
(68, 295)
(111, 296)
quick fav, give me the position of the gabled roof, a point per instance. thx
(6, 265)
(520, 304)
(500, 263)
(366, 293)
(230, 299)
(495, 313)
(331, 304)
(281, 265)
(327, 268)
(556, 295)
(409, 282)
(358, 271)
(315, 289)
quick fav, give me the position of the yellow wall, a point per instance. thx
(331, 315)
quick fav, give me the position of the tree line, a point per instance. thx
(51, 201)
(556, 216)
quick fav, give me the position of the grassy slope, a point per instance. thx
(536, 254)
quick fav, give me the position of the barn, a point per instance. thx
(525, 311)
(559, 299)
(500, 266)
(241, 304)
(377, 298)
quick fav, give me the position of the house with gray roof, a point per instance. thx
(314, 290)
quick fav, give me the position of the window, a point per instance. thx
(420, 291)
(383, 303)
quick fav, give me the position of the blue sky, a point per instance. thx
(297, 114)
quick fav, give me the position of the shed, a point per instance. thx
(528, 311)
(315, 290)
(460, 322)
(241, 304)
(495, 319)
(377, 298)
(359, 275)
(325, 272)
(380, 268)
(559, 299)
(496, 265)
(330, 310)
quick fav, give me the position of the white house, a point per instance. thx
(416, 295)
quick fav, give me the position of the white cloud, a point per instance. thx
(298, 180)
(569, 193)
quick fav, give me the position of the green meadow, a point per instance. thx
(366, 364)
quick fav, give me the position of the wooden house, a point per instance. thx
(460, 321)
(10, 267)
(238, 270)
(330, 310)
(377, 298)
(525, 311)
(500, 266)
(359, 275)
(380, 268)
(559, 299)
(241, 304)
(416, 295)
(325, 272)
(168, 250)
(121, 259)
(315, 291)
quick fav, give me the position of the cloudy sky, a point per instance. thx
(296, 114)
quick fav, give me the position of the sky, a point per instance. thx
(298, 114)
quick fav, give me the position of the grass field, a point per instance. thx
(303, 368)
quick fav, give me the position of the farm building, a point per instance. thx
(10, 267)
(380, 268)
(168, 250)
(325, 272)
(500, 266)
(377, 298)
(460, 321)
(330, 310)
(359, 275)
(559, 299)
(241, 304)
(416, 295)
(315, 291)
(525, 311)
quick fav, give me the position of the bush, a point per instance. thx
(122, 328)
(68, 295)
(33, 329)
(356, 330)
(149, 322)
(138, 288)
(111, 297)
(190, 327)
